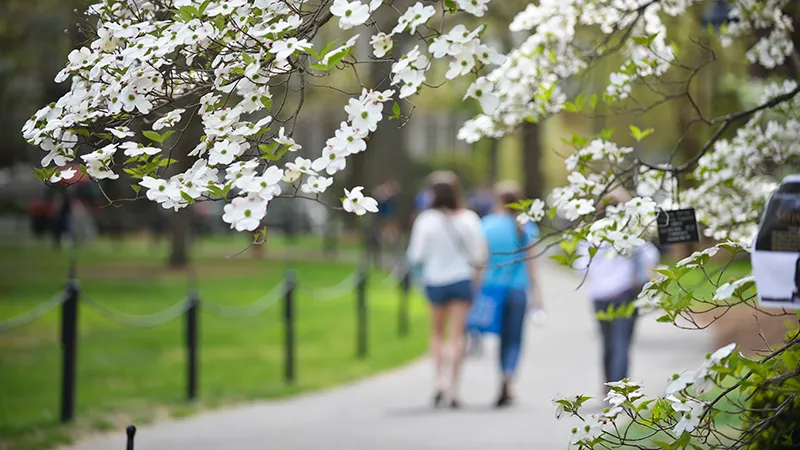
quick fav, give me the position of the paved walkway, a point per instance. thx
(391, 411)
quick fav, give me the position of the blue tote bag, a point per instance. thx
(486, 313)
(488, 307)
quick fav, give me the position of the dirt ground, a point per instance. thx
(754, 331)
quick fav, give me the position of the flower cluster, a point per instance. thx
(774, 25)
(145, 60)
(684, 412)
(736, 176)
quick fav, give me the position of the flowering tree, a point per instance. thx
(241, 69)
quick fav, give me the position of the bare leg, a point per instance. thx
(457, 312)
(438, 314)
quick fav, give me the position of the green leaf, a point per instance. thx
(152, 135)
(638, 134)
(314, 53)
(790, 359)
(682, 441)
(187, 197)
(664, 319)
(136, 188)
(571, 107)
(203, 6)
(580, 101)
(167, 134)
(606, 134)
(667, 273)
(188, 12)
(328, 47)
(214, 190)
(266, 101)
(226, 190)
(166, 162)
(450, 4)
(593, 101)
(336, 58)
(45, 173)
(395, 111)
(663, 445)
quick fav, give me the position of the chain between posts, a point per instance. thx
(140, 321)
(33, 315)
(245, 311)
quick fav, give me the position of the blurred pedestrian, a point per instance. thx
(511, 266)
(613, 279)
(482, 199)
(447, 242)
(387, 195)
(422, 201)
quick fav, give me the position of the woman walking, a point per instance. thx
(447, 242)
(511, 266)
(615, 280)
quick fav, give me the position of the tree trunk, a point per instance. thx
(180, 224)
(533, 186)
(180, 227)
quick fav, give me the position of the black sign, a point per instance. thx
(677, 226)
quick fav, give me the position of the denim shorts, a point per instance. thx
(458, 291)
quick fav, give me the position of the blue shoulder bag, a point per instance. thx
(488, 308)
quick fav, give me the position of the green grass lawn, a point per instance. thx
(720, 272)
(137, 375)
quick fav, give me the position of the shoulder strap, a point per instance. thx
(460, 244)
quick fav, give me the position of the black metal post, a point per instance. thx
(405, 288)
(69, 347)
(191, 345)
(288, 323)
(361, 314)
(130, 431)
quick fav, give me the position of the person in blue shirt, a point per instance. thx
(511, 264)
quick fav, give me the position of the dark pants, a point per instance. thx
(617, 337)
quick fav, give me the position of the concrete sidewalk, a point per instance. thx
(392, 411)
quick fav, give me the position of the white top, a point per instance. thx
(611, 274)
(449, 247)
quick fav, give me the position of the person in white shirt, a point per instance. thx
(447, 242)
(613, 279)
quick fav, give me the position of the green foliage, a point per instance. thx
(776, 404)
